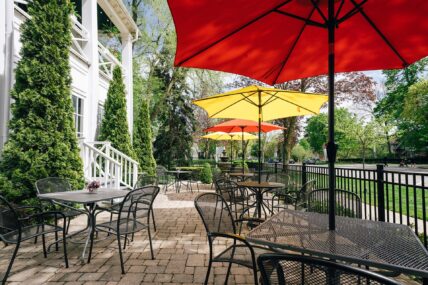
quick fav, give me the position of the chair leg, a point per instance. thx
(153, 219)
(150, 241)
(68, 225)
(64, 244)
(9, 267)
(56, 235)
(120, 253)
(207, 277)
(44, 245)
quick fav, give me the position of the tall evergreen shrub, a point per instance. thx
(42, 139)
(114, 126)
(143, 139)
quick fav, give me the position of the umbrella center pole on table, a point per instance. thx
(331, 145)
(243, 154)
(260, 141)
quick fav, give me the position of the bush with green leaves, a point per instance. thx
(143, 140)
(114, 126)
(42, 139)
(206, 175)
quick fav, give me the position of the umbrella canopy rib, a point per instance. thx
(227, 107)
(293, 46)
(384, 38)
(307, 21)
(235, 31)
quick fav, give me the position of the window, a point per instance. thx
(100, 116)
(78, 115)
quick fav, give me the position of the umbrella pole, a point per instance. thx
(331, 146)
(243, 154)
(260, 142)
(231, 153)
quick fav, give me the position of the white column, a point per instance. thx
(90, 22)
(127, 72)
(6, 65)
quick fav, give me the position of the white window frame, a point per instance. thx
(78, 124)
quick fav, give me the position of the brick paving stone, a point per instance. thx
(180, 247)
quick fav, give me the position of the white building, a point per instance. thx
(91, 70)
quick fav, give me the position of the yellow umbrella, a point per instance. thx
(262, 103)
(222, 136)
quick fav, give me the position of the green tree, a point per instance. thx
(143, 139)
(42, 138)
(345, 123)
(114, 126)
(391, 108)
(174, 140)
(415, 115)
(368, 136)
(299, 153)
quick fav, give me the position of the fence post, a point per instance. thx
(380, 193)
(304, 178)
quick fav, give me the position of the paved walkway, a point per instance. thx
(180, 245)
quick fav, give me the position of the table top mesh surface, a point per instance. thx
(255, 184)
(372, 243)
(84, 196)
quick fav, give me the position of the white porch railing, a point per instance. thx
(79, 34)
(99, 157)
(107, 61)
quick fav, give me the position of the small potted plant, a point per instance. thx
(92, 186)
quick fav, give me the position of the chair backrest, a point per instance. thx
(348, 204)
(137, 200)
(161, 170)
(215, 213)
(299, 269)
(8, 218)
(306, 189)
(146, 179)
(223, 188)
(52, 185)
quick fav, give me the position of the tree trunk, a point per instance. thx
(290, 125)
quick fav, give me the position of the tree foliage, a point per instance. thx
(402, 103)
(174, 140)
(42, 138)
(114, 126)
(316, 132)
(143, 139)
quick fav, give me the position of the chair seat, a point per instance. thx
(126, 226)
(242, 255)
(29, 232)
(72, 213)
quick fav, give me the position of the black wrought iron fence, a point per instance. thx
(390, 196)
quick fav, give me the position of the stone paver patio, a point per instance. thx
(180, 247)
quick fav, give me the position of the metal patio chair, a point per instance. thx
(298, 269)
(219, 223)
(53, 185)
(348, 204)
(295, 197)
(133, 215)
(163, 177)
(21, 223)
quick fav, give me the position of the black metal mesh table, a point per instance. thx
(88, 199)
(377, 244)
(178, 180)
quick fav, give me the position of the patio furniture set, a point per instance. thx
(290, 242)
(130, 211)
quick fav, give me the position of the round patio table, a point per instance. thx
(178, 180)
(259, 189)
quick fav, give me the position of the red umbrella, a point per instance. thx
(238, 125)
(278, 40)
